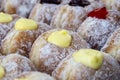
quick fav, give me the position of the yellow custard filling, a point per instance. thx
(5, 18)
(25, 24)
(89, 57)
(2, 72)
(60, 38)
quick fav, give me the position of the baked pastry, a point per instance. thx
(68, 17)
(43, 12)
(87, 64)
(53, 46)
(114, 17)
(6, 24)
(112, 4)
(112, 45)
(96, 31)
(22, 36)
(34, 76)
(14, 64)
(20, 7)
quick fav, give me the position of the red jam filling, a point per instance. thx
(99, 13)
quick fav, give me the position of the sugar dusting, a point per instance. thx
(68, 17)
(96, 31)
(43, 12)
(15, 64)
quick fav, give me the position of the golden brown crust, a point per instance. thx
(46, 56)
(9, 8)
(21, 41)
(15, 64)
(112, 46)
(68, 69)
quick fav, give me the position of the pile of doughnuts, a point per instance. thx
(59, 39)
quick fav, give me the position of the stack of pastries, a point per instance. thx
(59, 39)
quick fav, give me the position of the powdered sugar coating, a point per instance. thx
(1, 58)
(35, 76)
(21, 41)
(46, 56)
(20, 7)
(15, 64)
(68, 69)
(43, 12)
(6, 27)
(112, 45)
(96, 31)
(68, 17)
(93, 6)
(112, 4)
(114, 17)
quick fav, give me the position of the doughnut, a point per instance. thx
(68, 17)
(96, 31)
(87, 64)
(43, 12)
(53, 46)
(14, 64)
(20, 7)
(22, 36)
(6, 23)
